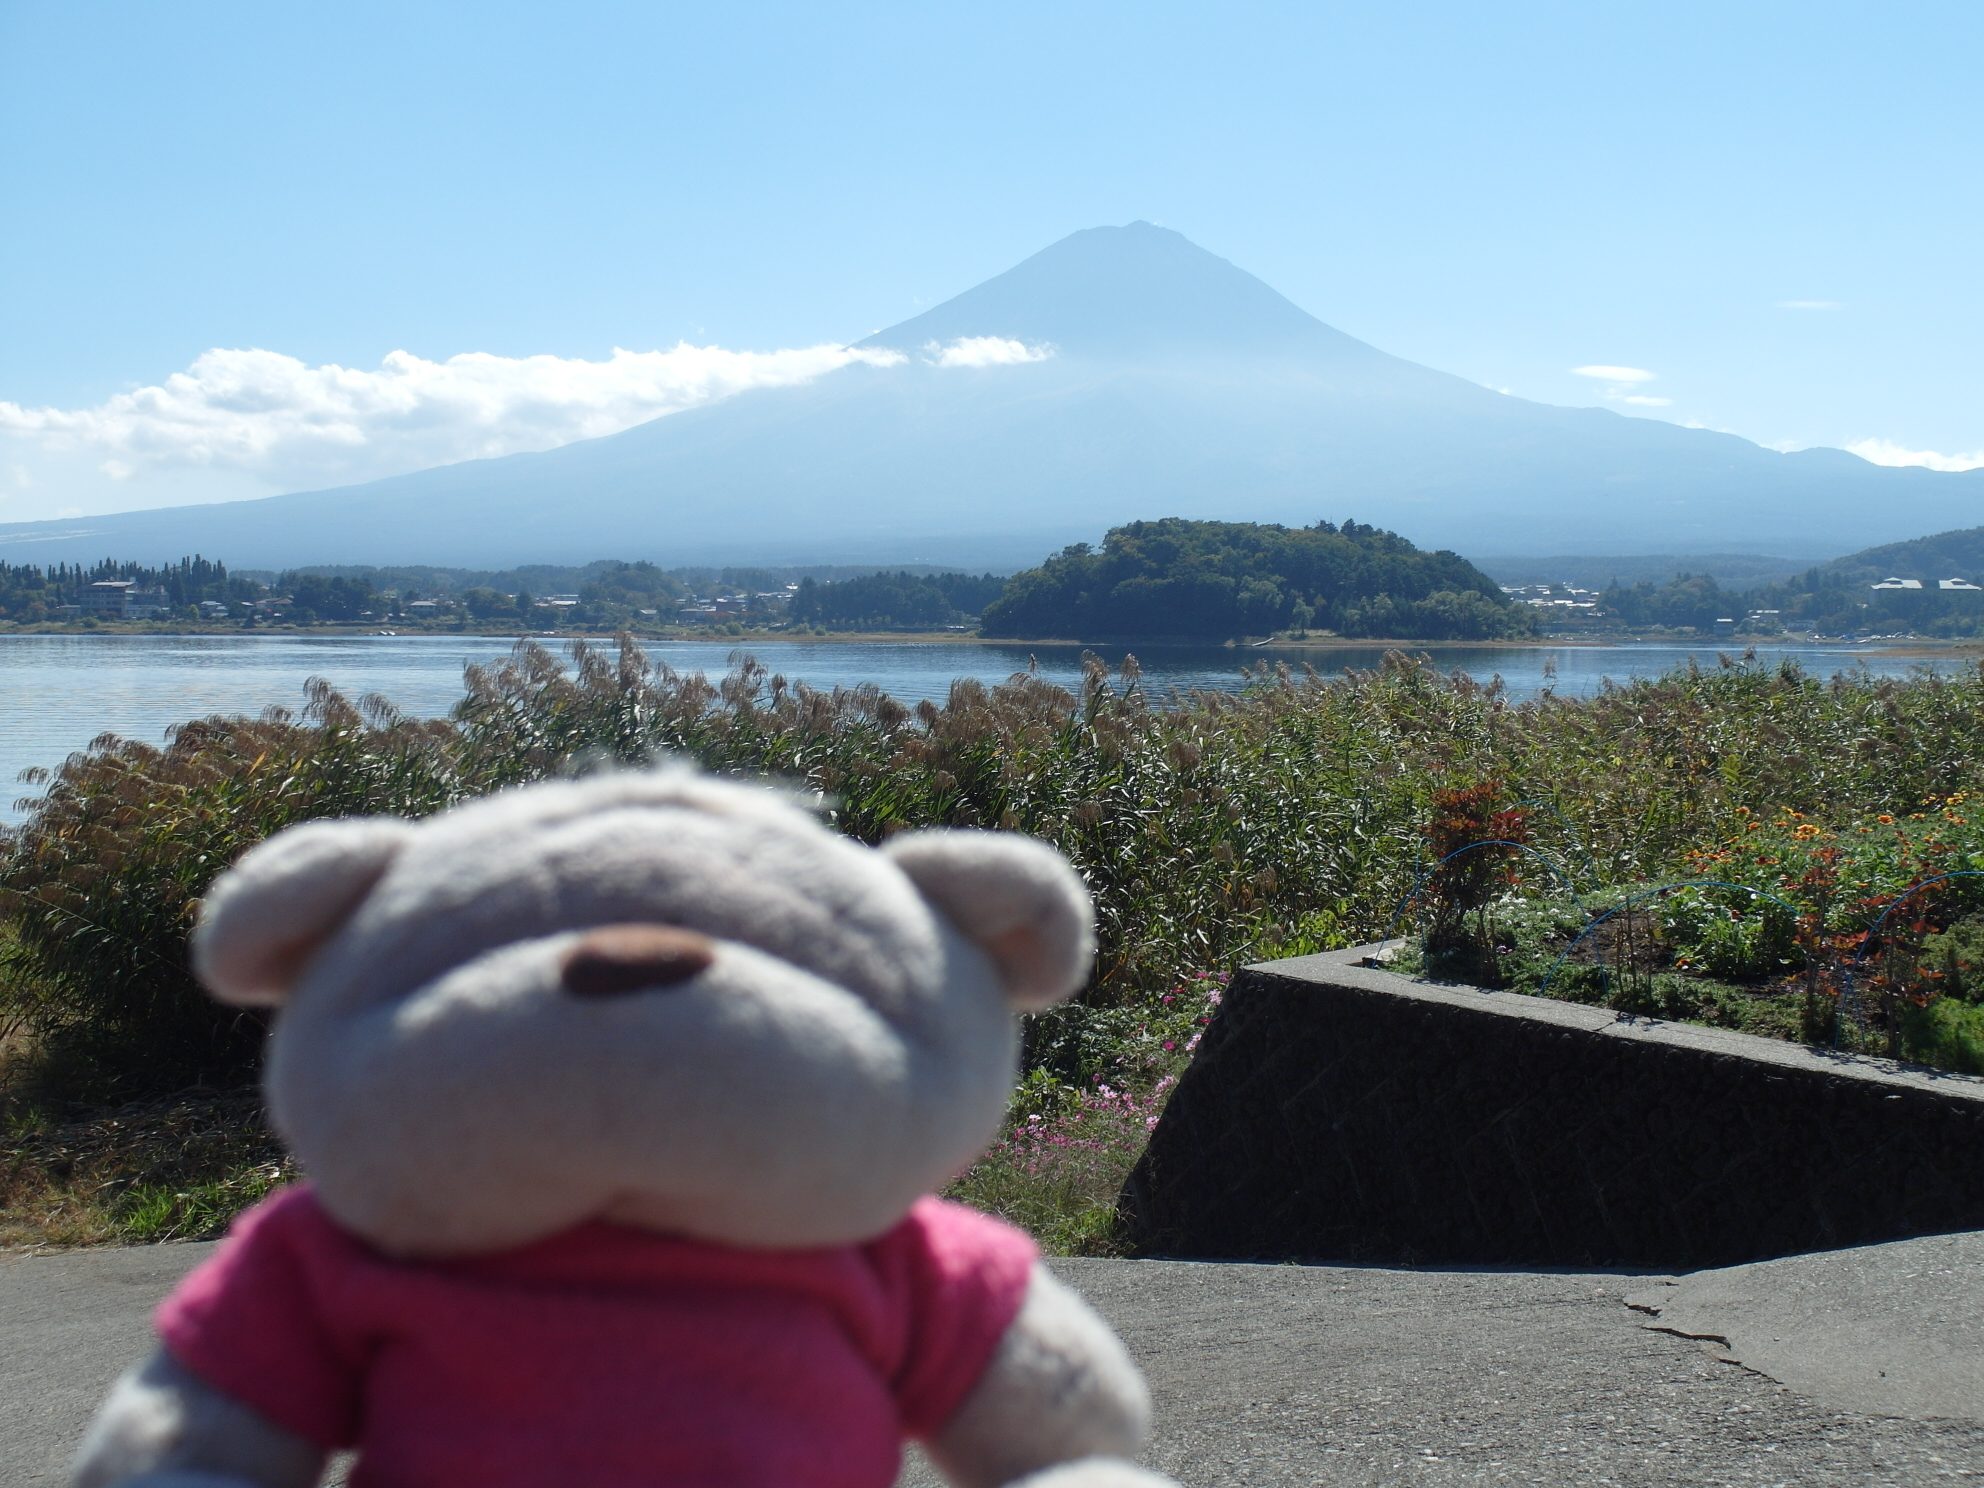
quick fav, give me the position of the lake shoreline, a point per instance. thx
(1906, 646)
(71, 687)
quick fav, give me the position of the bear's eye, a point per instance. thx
(617, 959)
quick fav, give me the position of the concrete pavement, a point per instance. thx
(1890, 1330)
(1862, 1367)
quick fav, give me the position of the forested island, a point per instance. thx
(1216, 581)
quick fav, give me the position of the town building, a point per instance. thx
(123, 599)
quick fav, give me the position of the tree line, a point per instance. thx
(1830, 600)
(34, 592)
(1167, 579)
(895, 601)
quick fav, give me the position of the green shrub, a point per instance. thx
(1213, 829)
(99, 887)
(1947, 1034)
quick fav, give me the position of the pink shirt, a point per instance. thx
(603, 1356)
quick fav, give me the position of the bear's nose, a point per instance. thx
(616, 959)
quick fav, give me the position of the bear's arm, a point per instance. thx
(164, 1427)
(1059, 1392)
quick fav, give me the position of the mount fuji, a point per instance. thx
(1122, 372)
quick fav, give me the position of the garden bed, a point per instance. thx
(1867, 938)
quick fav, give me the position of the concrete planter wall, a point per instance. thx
(1342, 1113)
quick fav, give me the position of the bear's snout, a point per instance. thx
(616, 959)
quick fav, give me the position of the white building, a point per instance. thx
(122, 599)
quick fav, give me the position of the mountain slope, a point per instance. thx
(1134, 291)
(1943, 555)
(1167, 382)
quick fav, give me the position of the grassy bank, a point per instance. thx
(1213, 829)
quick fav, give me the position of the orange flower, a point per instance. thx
(1885, 819)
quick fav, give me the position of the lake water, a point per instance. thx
(58, 692)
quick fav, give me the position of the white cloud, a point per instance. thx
(1887, 452)
(1808, 304)
(289, 424)
(1604, 373)
(984, 351)
(1623, 380)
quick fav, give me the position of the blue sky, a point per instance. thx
(1771, 211)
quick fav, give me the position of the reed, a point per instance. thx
(1213, 829)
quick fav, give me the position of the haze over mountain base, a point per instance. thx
(1122, 373)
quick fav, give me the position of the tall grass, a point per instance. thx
(1213, 829)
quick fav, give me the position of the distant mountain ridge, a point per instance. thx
(1599, 571)
(1158, 378)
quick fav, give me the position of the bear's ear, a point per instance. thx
(1016, 898)
(267, 915)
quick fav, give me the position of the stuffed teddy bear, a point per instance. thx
(620, 1102)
